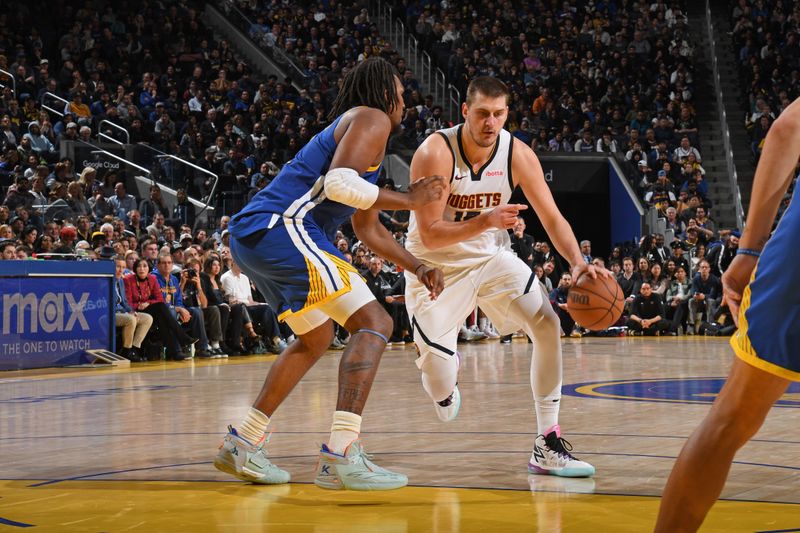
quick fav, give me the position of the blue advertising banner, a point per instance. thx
(50, 320)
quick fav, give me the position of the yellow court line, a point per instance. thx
(152, 366)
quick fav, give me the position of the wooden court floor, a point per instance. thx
(131, 450)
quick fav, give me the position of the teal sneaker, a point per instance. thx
(354, 471)
(248, 462)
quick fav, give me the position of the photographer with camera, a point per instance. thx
(194, 296)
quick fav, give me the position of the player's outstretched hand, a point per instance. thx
(424, 191)
(734, 280)
(505, 216)
(432, 278)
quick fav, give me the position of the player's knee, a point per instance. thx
(733, 426)
(380, 321)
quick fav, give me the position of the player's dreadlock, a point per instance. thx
(371, 84)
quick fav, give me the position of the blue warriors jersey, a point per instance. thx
(283, 238)
(298, 192)
(769, 318)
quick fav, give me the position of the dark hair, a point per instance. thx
(370, 83)
(487, 86)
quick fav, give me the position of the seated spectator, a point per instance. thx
(681, 153)
(8, 250)
(211, 343)
(628, 281)
(121, 203)
(134, 325)
(234, 320)
(151, 205)
(145, 296)
(706, 293)
(40, 144)
(677, 299)
(236, 285)
(173, 297)
(558, 299)
(647, 313)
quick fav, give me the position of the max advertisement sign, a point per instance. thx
(51, 321)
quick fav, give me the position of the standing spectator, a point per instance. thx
(134, 325)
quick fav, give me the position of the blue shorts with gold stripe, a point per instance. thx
(769, 318)
(293, 265)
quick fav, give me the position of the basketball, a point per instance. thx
(595, 304)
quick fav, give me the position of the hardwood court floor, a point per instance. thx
(131, 450)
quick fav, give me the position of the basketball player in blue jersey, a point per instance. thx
(283, 241)
(767, 343)
(465, 234)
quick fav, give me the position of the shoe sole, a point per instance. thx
(364, 488)
(564, 472)
(223, 464)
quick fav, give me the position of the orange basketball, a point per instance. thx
(595, 304)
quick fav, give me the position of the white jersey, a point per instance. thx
(471, 193)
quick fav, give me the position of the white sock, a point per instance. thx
(482, 323)
(215, 345)
(543, 327)
(547, 413)
(344, 430)
(253, 426)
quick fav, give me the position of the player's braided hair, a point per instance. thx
(371, 84)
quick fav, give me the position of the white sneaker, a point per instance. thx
(551, 457)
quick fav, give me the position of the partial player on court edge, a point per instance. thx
(465, 234)
(283, 239)
(767, 343)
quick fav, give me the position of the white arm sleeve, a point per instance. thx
(345, 186)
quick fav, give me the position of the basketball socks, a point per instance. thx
(253, 426)
(547, 413)
(544, 328)
(215, 345)
(344, 430)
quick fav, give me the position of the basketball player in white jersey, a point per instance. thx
(465, 235)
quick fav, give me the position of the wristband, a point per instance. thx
(748, 251)
(420, 266)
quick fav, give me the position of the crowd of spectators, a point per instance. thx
(765, 36)
(593, 77)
